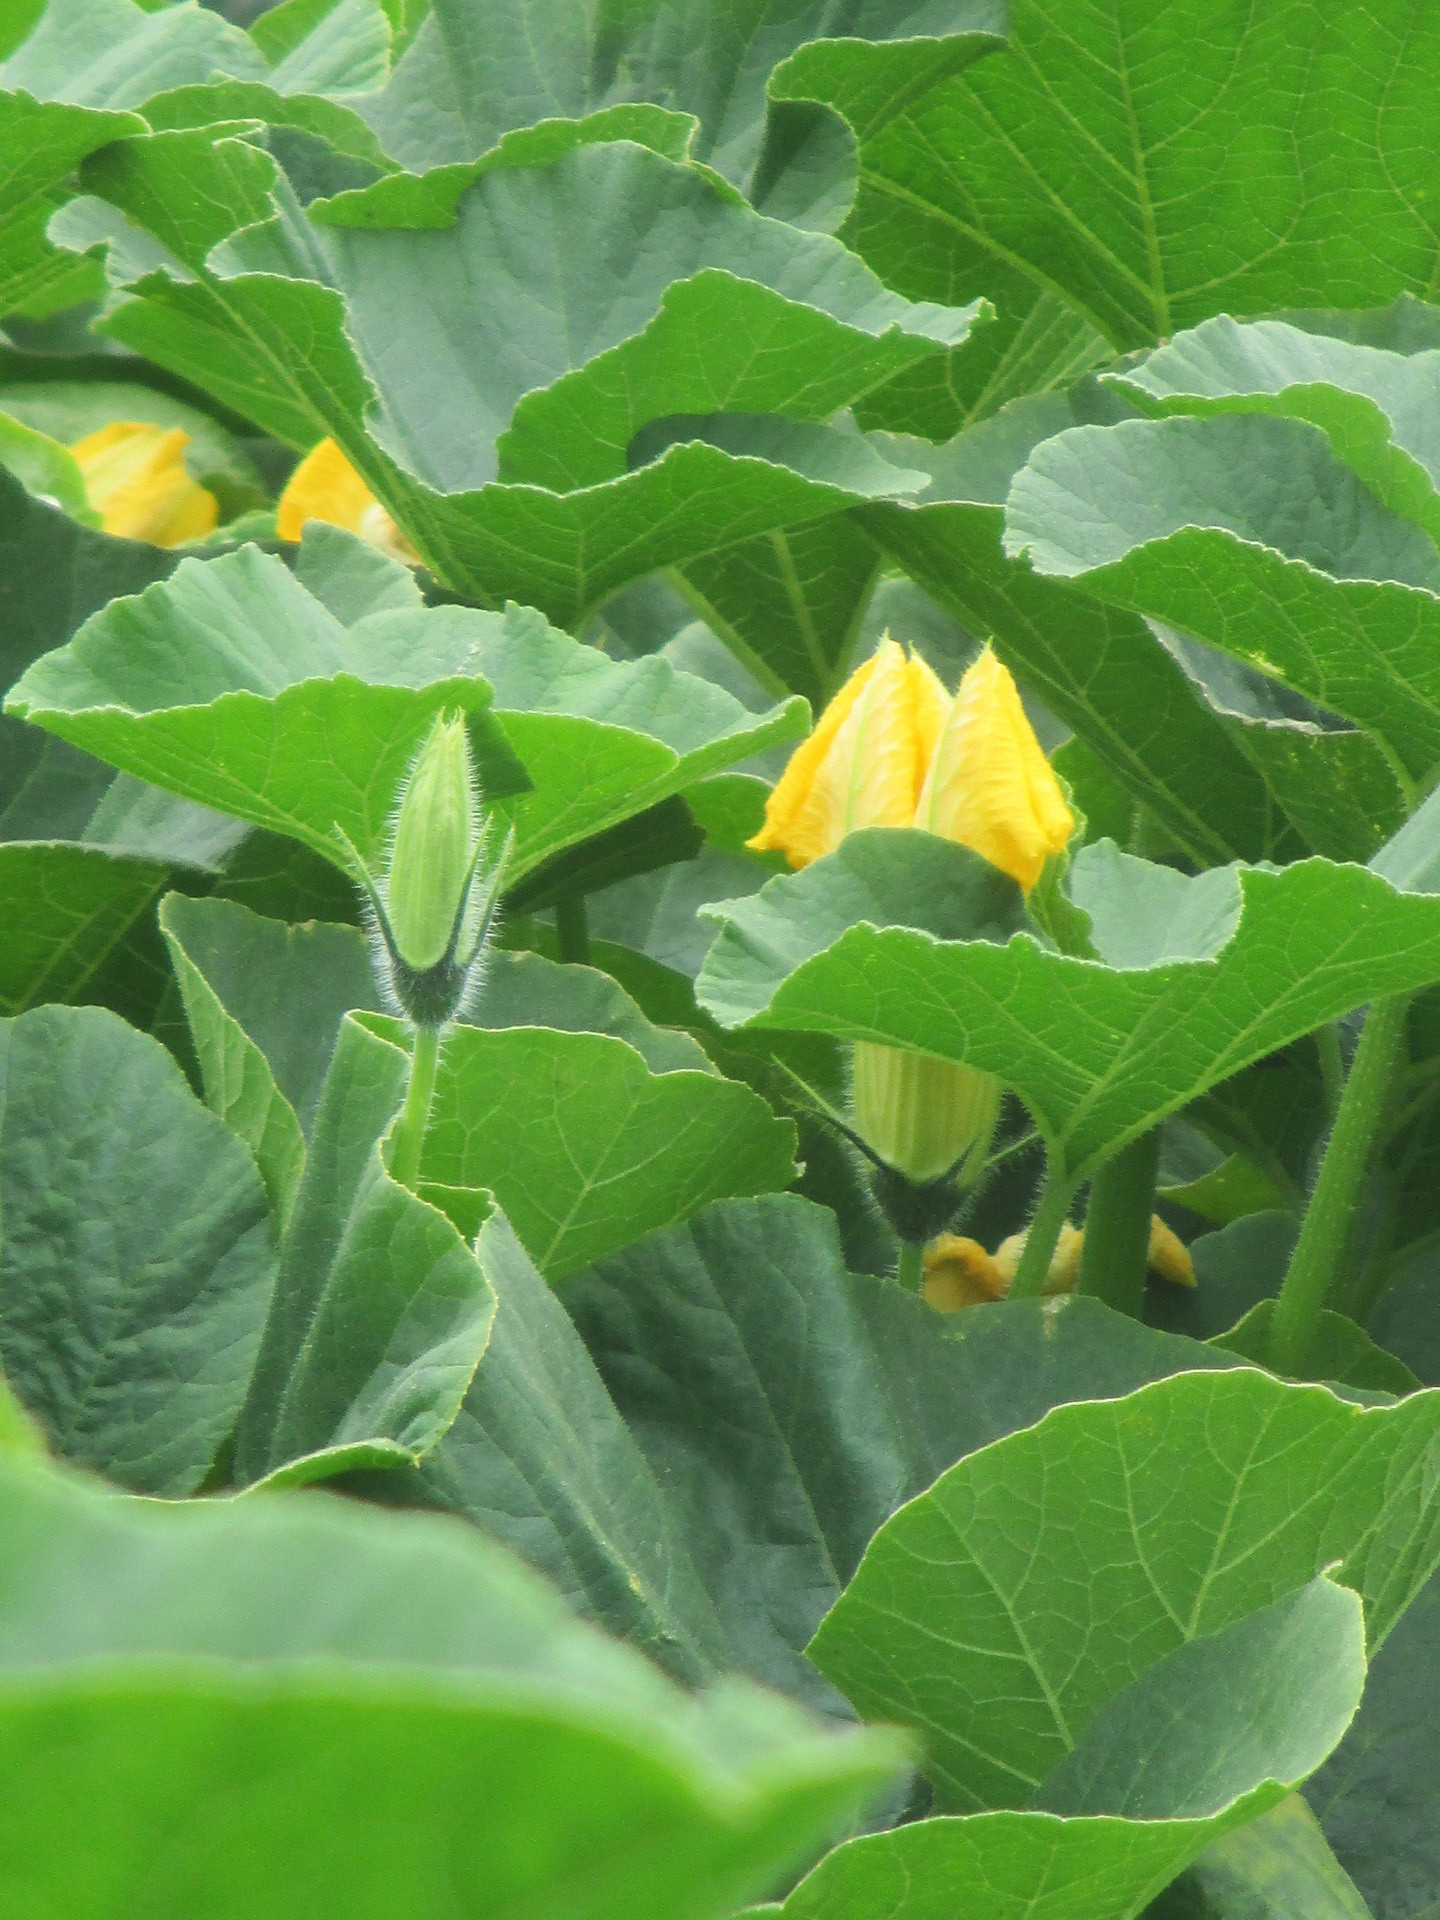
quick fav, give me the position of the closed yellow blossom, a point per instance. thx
(136, 480)
(864, 764)
(326, 487)
(989, 785)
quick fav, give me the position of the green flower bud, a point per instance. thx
(433, 850)
(928, 1119)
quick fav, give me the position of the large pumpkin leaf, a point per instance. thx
(1219, 1729)
(586, 1148)
(885, 940)
(137, 1254)
(235, 686)
(1155, 164)
(212, 1692)
(818, 1400)
(380, 1312)
(1002, 1610)
(509, 400)
(1222, 773)
(1248, 532)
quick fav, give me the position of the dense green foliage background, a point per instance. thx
(690, 344)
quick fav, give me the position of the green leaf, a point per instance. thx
(1379, 1797)
(817, 1400)
(233, 685)
(586, 1148)
(1223, 1725)
(280, 1656)
(512, 472)
(45, 467)
(1099, 670)
(1154, 165)
(790, 605)
(380, 1312)
(66, 908)
(1343, 1352)
(1276, 1868)
(526, 990)
(1374, 405)
(868, 945)
(264, 1002)
(343, 47)
(41, 144)
(137, 1255)
(112, 54)
(1249, 533)
(1004, 1608)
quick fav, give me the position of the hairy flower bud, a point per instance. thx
(433, 909)
(433, 848)
(136, 480)
(326, 487)
(989, 785)
(929, 1119)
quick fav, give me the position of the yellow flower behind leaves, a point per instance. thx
(893, 750)
(960, 1273)
(136, 480)
(864, 764)
(326, 487)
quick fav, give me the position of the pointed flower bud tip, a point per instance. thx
(989, 785)
(136, 480)
(433, 849)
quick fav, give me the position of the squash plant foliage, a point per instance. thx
(538, 1492)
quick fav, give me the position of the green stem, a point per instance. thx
(572, 930)
(1049, 1217)
(1332, 1067)
(911, 1270)
(1325, 1235)
(415, 1116)
(1117, 1226)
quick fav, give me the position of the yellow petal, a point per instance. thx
(326, 487)
(960, 1273)
(1168, 1256)
(136, 479)
(989, 785)
(1064, 1268)
(323, 487)
(862, 766)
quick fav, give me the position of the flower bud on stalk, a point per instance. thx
(892, 750)
(431, 921)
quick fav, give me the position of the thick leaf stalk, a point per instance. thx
(1118, 1226)
(1325, 1235)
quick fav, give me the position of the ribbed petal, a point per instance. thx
(989, 786)
(136, 479)
(324, 487)
(788, 800)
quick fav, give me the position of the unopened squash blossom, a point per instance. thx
(892, 749)
(960, 1273)
(433, 906)
(136, 480)
(326, 487)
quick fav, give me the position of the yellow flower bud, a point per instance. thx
(136, 480)
(1168, 1257)
(989, 785)
(960, 1273)
(326, 487)
(926, 1118)
(864, 764)
(433, 849)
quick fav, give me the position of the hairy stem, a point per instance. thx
(415, 1115)
(911, 1270)
(572, 930)
(1325, 1235)
(1049, 1217)
(1117, 1226)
